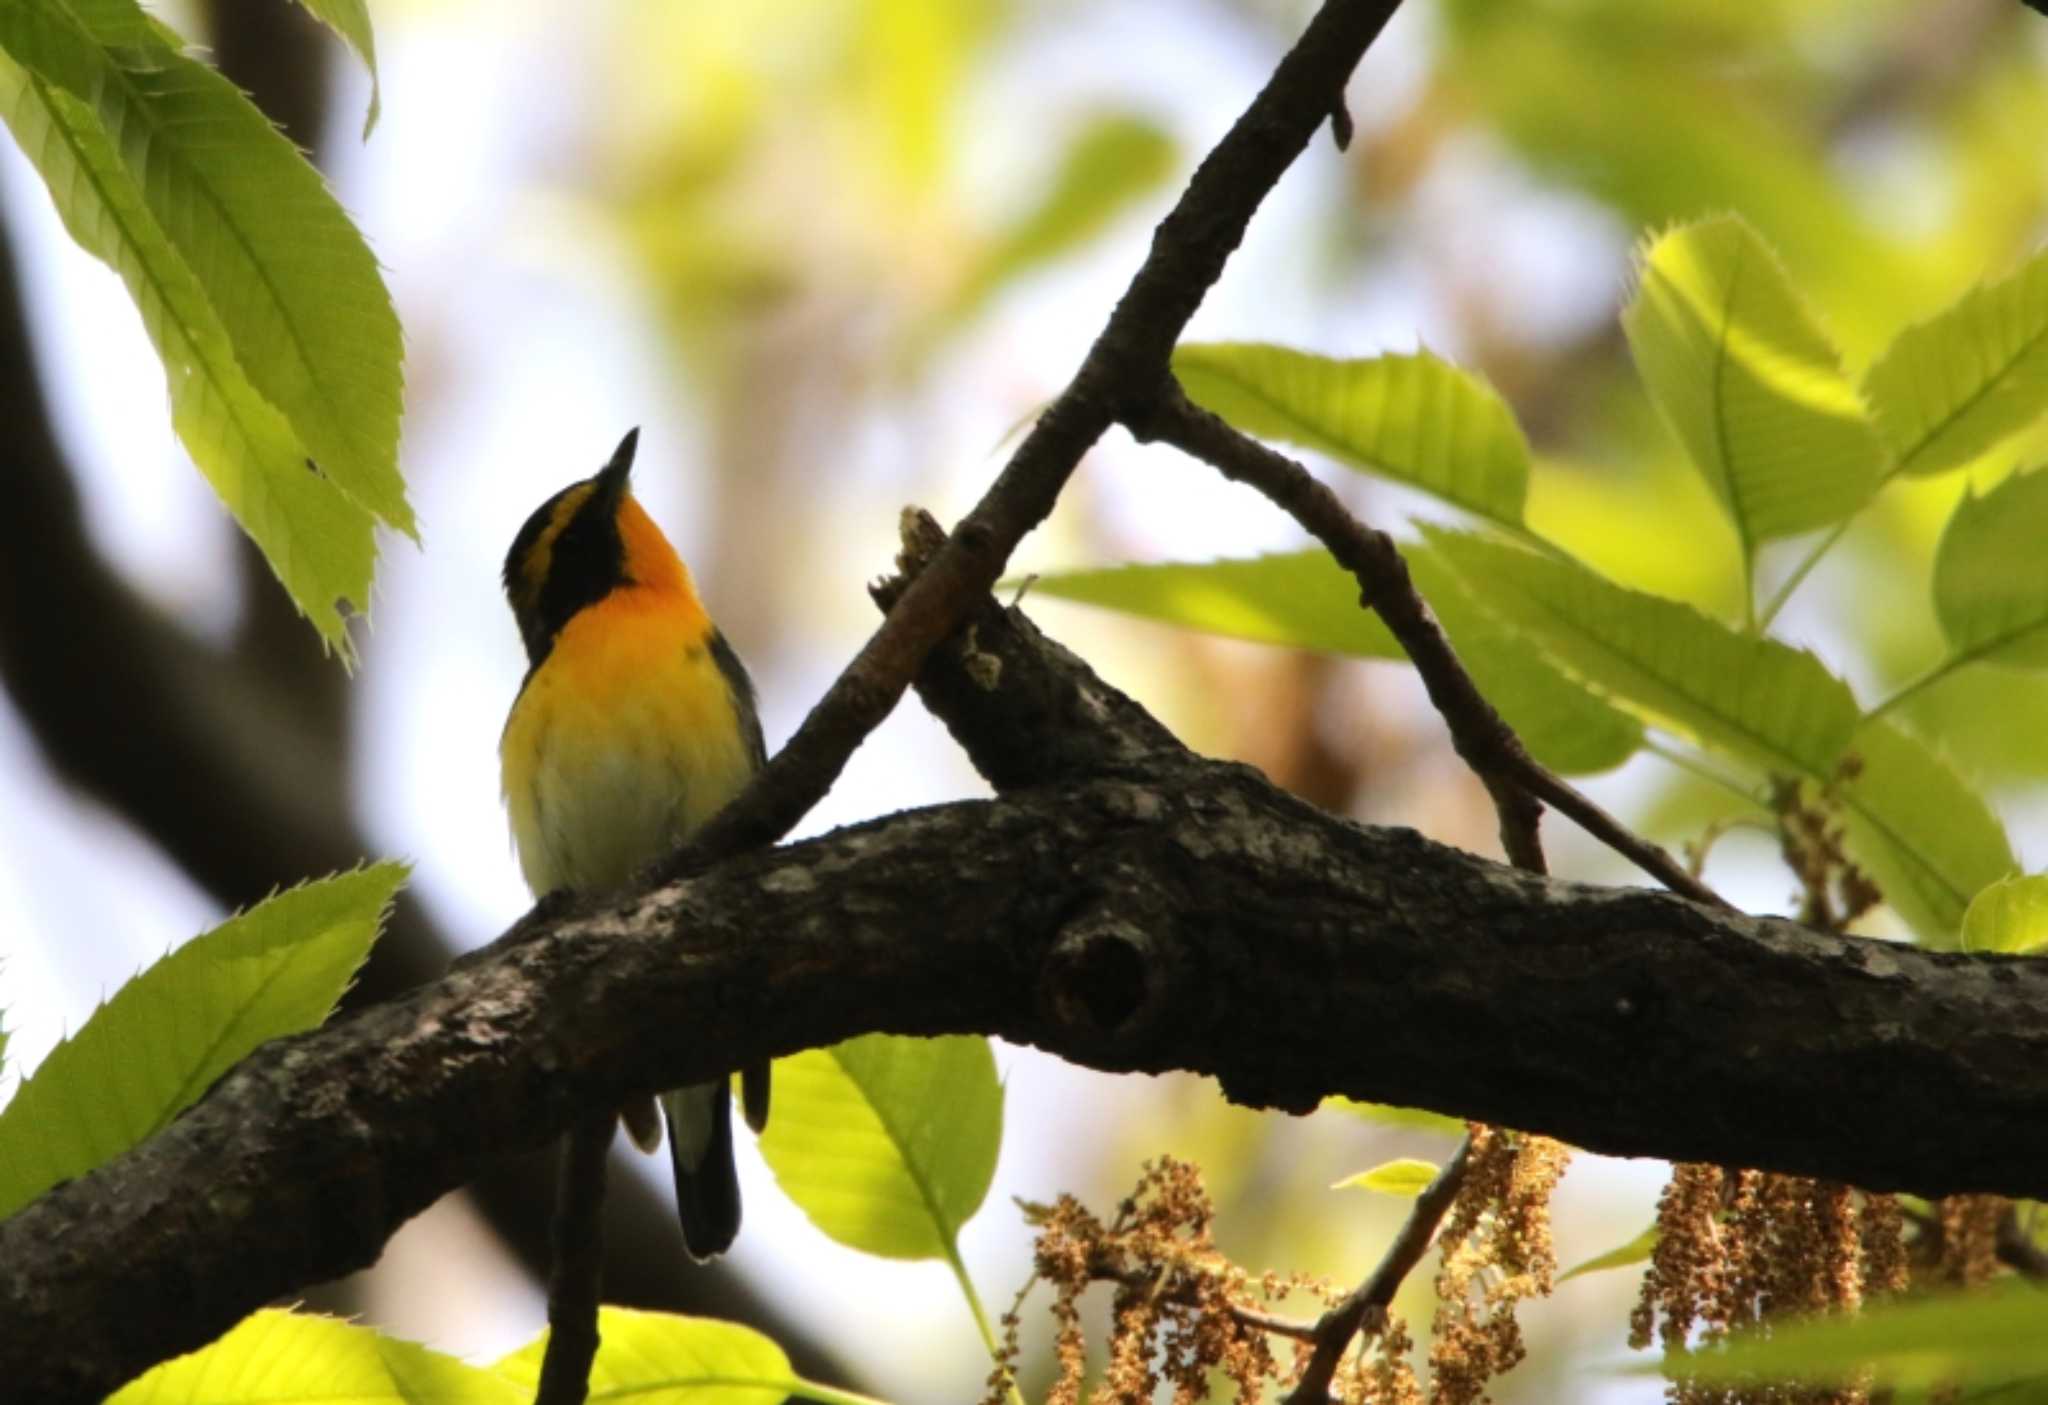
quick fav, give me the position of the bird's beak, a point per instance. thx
(612, 478)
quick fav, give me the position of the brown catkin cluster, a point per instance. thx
(1182, 1312)
(1497, 1250)
(1380, 1373)
(1736, 1248)
(1966, 1249)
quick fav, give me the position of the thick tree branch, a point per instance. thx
(1173, 913)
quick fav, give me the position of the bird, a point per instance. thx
(635, 724)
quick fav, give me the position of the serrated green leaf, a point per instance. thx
(1636, 1251)
(351, 20)
(1565, 725)
(2010, 915)
(1757, 698)
(1306, 600)
(1955, 386)
(287, 275)
(273, 1355)
(1302, 599)
(1928, 838)
(1412, 418)
(320, 543)
(1111, 163)
(1981, 1338)
(1387, 1115)
(664, 1359)
(166, 1035)
(1405, 1176)
(1990, 592)
(1749, 382)
(888, 1144)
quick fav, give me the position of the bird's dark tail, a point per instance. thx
(707, 1182)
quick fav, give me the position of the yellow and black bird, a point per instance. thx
(635, 725)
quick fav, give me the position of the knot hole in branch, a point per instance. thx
(1103, 980)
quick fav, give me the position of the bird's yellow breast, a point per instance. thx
(624, 740)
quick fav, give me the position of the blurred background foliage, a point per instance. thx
(832, 252)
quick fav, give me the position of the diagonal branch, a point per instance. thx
(1517, 782)
(1189, 249)
(1365, 1310)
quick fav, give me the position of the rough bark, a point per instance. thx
(1142, 910)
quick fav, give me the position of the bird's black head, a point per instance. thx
(570, 553)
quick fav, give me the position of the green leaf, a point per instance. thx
(1307, 601)
(1990, 592)
(288, 276)
(1387, 1115)
(165, 1036)
(1757, 698)
(1303, 599)
(1111, 163)
(351, 20)
(889, 1144)
(274, 1355)
(1749, 382)
(1412, 418)
(1955, 386)
(1636, 1251)
(660, 1357)
(1973, 1339)
(1565, 725)
(319, 542)
(2010, 915)
(1928, 838)
(1404, 1176)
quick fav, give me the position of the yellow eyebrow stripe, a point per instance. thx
(534, 569)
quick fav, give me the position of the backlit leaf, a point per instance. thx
(1757, 698)
(1955, 386)
(1930, 840)
(1303, 599)
(1977, 1339)
(273, 1356)
(165, 1036)
(351, 20)
(1635, 1251)
(659, 1358)
(1990, 591)
(287, 275)
(2010, 915)
(1412, 418)
(888, 1143)
(1404, 1176)
(1306, 600)
(319, 542)
(1749, 382)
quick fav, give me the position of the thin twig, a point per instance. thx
(1189, 250)
(578, 1262)
(1366, 1309)
(1181, 1289)
(1518, 785)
